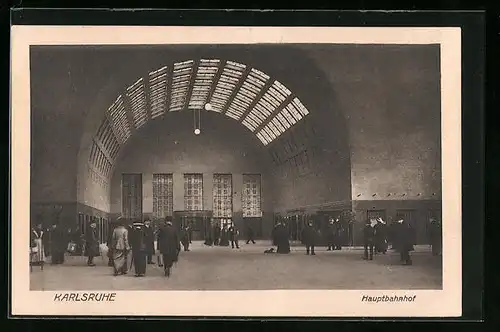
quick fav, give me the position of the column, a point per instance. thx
(178, 179)
(147, 193)
(208, 184)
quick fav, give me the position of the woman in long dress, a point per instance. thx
(37, 249)
(120, 248)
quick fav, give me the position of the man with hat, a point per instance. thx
(369, 239)
(169, 245)
(150, 241)
(91, 243)
(138, 243)
(309, 237)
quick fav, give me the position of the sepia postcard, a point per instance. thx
(236, 171)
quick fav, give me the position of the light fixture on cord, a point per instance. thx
(197, 121)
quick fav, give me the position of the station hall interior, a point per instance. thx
(248, 133)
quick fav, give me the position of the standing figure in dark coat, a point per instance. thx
(233, 236)
(185, 238)
(150, 241)
(159, 258)
(138, 242)
(209, 234)
(330, 235)
(190, 232)
(273, 233)
(404, 241)
(380, 236)
(337, 234)
(217, 233)
(58, 244)
(250, 234)
(369, 239)
(109, 240)
(224, 237)
(309, 237)
(282, 239)
(436, 236)
(169, 245)
(91, 243)
(47, 241)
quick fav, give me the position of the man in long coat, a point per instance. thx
(404, 241)
(119, 247)
(233, 236)
(309, 238)
(91, 243)
(330, 235)
(381, 236)
(185, 237)
(369, 239)
(138, 242)
(150, 241)
(436, 236)
(58, 244)
(282, 239)
(169, 245)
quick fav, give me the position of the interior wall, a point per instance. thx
(170, 146)
(390, 96)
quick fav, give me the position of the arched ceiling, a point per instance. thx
(263, 105)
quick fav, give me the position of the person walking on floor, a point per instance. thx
(91, 243)
(369, 239)
(138, 242)
(119, 248)
(405, 240)
(150, 241)
(250, 235)
(233, 235)
(185, 238)
(309, 237)
(169, 245)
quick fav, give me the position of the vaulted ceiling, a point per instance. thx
(261, 104)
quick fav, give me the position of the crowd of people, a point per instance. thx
(225, 234)
(137, 240)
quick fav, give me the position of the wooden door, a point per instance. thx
(132, 196)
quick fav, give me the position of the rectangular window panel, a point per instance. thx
(119, 120)
(158, 91)
(193, 192)
(132, 196)
(137, 99)
(222, 196)
(163, 195)
(251, 196)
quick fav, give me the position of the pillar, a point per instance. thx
(178, 179)
(208, 185)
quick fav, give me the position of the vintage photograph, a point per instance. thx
(235, 167)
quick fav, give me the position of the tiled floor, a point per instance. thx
(222, 268)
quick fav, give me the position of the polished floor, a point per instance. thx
(248, 268)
